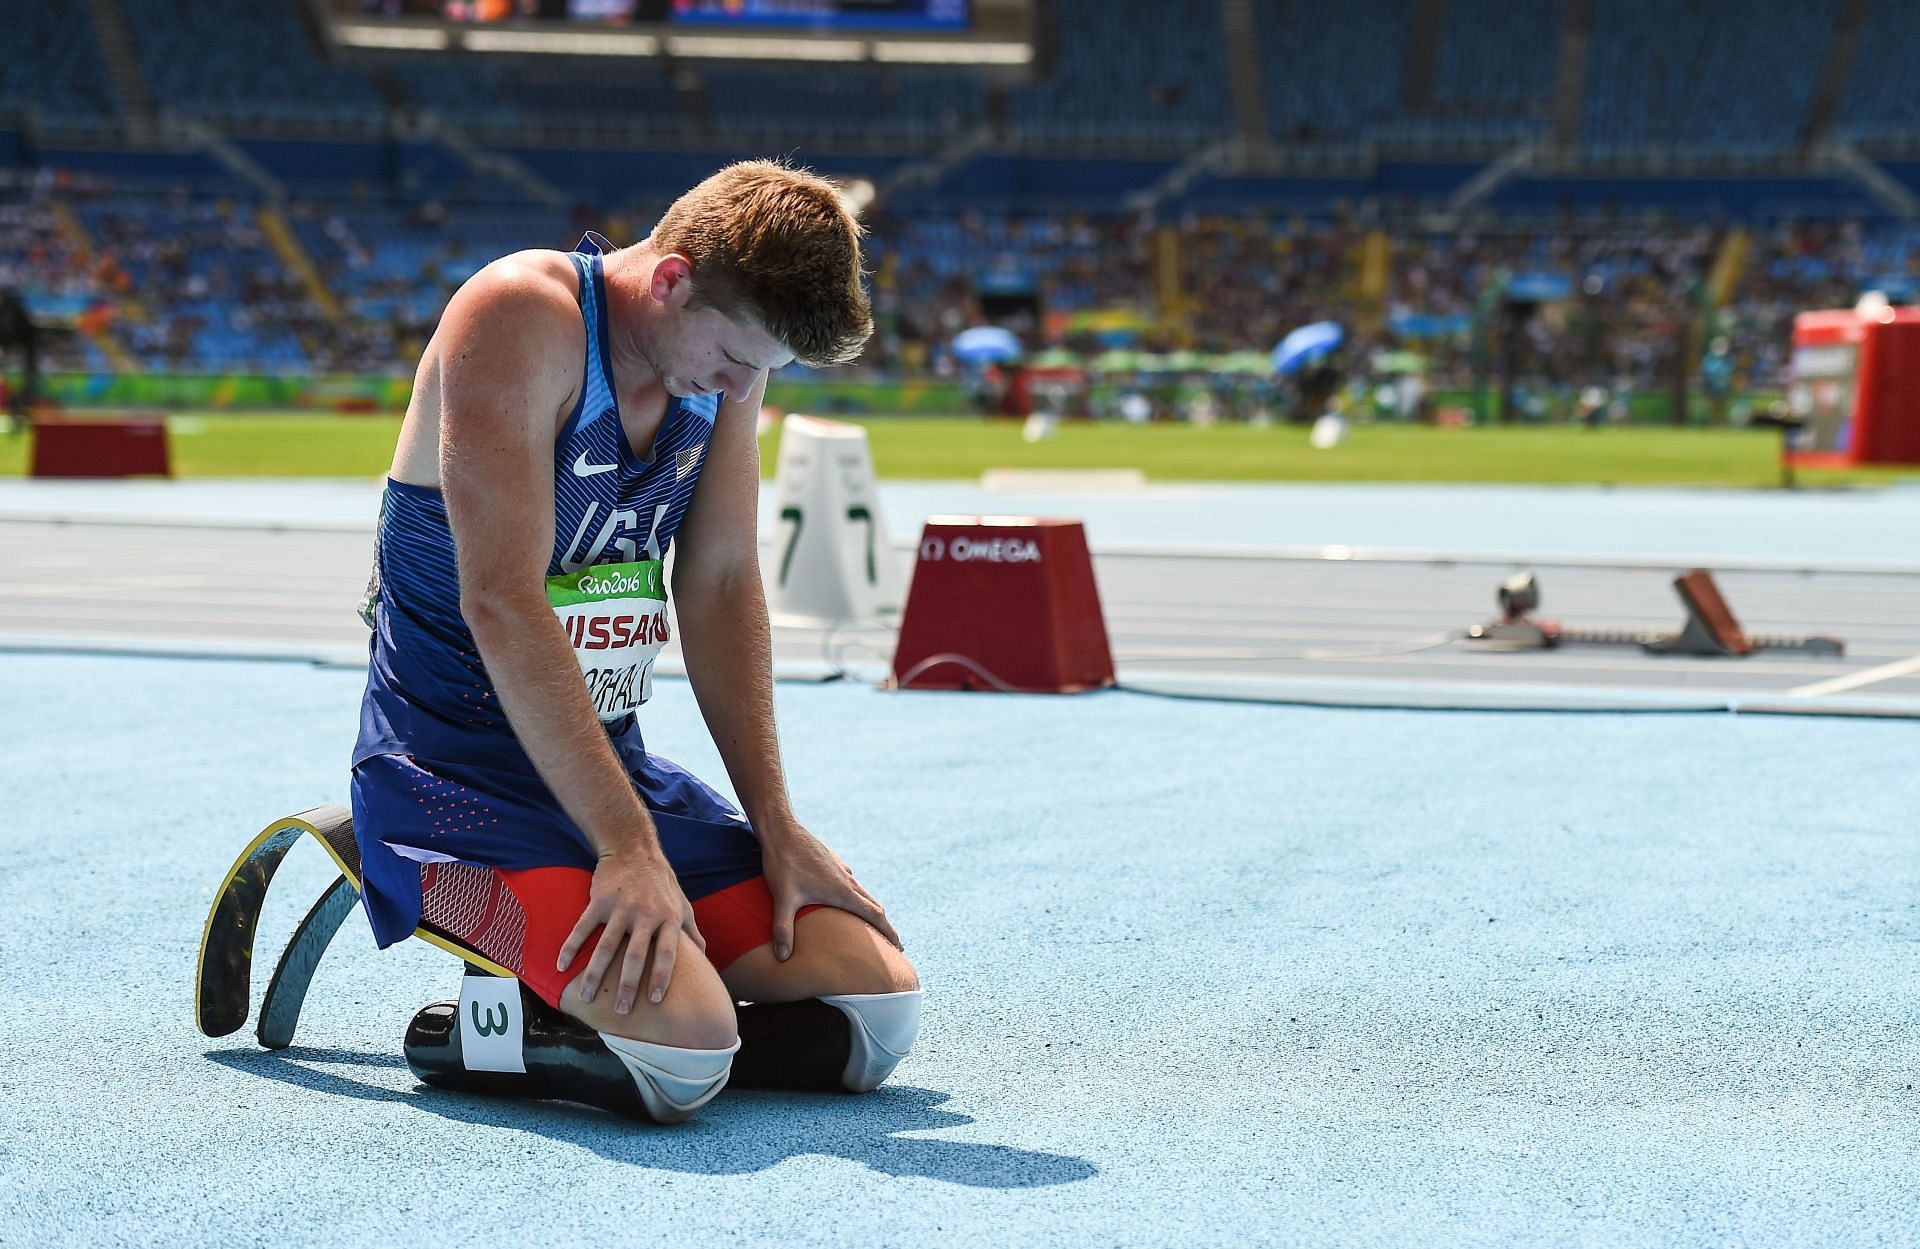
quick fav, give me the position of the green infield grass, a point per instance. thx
(281, 445)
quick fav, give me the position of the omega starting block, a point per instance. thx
(1710, 628)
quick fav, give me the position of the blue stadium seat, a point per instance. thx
(1877, 106)
(386, 264)
(1733, 77)
(846, 106)
(1494, 71)
(50, 65)
(1332, 76)
(487, 94)
(221, 297)
(1139, 73)
(248, 65)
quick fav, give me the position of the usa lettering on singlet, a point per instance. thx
(438, 773)
(615, 516)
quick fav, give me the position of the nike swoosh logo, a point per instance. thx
(583, 469)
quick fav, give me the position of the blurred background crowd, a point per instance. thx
(1570, 202)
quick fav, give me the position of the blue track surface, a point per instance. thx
(1197, 973)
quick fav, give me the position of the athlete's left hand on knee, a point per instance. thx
(801, 871)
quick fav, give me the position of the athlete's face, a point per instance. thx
(699, 350)
(706, 352)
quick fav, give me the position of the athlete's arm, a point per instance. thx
(508, 360)
(728, 648)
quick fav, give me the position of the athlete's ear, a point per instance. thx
(672, 274)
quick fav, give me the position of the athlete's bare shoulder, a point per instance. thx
(538, 275)
(534, 294)
(512, 331)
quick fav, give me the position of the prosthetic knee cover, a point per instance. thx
(850, 1041)
(501, 1039)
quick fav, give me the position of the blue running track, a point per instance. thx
(1199, 974)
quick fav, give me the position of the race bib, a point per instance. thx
(616, 617)
(490, 1024)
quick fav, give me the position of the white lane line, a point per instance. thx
(1853, 681)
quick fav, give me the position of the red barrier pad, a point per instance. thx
(124, 447)
(1003, 603)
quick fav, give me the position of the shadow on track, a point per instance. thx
(740, 1133)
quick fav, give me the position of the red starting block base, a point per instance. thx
(127, 446)
(1003, 603)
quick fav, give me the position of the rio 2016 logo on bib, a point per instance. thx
(615, 617)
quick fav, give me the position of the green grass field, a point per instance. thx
(281, 445)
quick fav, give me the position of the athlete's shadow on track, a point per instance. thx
(740, 1133)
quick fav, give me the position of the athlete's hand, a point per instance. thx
(638, 900)
(800, 871)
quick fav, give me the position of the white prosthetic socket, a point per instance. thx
(884, 1026)
(673, 1082)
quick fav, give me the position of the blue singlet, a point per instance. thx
(438, 772)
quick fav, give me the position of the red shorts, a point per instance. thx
(520, 919)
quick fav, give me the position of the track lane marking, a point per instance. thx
(1853, 681)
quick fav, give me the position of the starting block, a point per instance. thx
(1710, 627)
(132, 445)
(1004, 603)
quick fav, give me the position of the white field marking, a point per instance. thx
(137, 614)
(1854, 680)
(325, 597)
(1397, 652)
(183, 646)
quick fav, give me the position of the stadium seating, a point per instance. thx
(1733, 77)
(494, 95)
(222, 300)
(1344, 79)
(50, 66)
(849, 107)
(1388, 106)
(1494, 72)
(1332, 77)
(1127, 73)
(1877, 105)
(250, 64)
(923, 255)
(217, 292)
(394, 265)
(58, 283)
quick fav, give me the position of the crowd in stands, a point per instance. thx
(176, 280)
(393, 270)
(1609, 304)
(206, 283)
(61, 284)
(190, 283)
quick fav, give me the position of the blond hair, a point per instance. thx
(778, 245)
